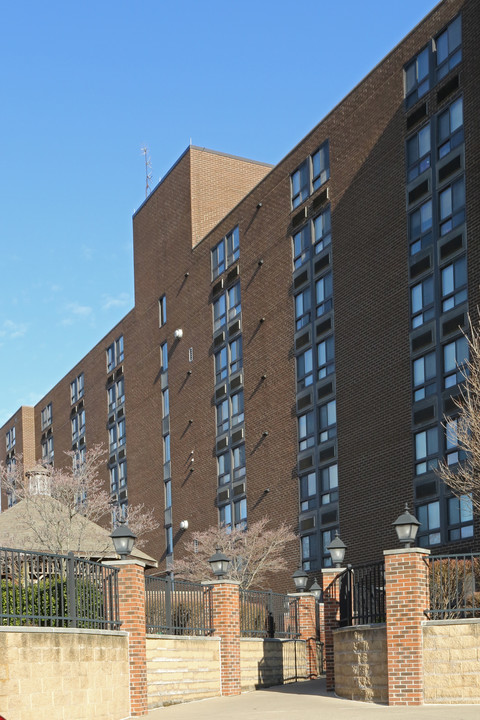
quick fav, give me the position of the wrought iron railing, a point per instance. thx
(47, 590)
(362, 595)
(454, 586)
(268, 614)
(177, 607)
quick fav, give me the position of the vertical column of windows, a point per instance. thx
(167, 472)
(116, 426)
(315, 363)
(47, 434)
(228, 379)
(435, 156)
(10, 460)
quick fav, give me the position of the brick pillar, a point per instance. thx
(406, 596)
(331, 613)
(307, 629)
(131, 602)
(226, 623)
(321, 634)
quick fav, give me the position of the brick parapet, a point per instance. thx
(331, 613)
(226, 623)
(307, 630)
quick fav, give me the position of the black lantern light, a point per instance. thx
(123, 539)
(406, 526)
(337, 550)
(316, 590)
(300, 578)
(219, 564)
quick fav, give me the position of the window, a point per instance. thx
(234, 307)
(114, 479)
(326, 357)
(223, 468)
(306, 431)
(420, 227)
(81, 422)
(429, 518)
(219, 312)
(426, 450)
(308, 551)
(305, 369)
(327, 537)
(77, 388)
(237, 408)
(452, 452)
(166, 449)
(46, 416)
(327, 415)
(164, 356)
(418, 153)
(321, 227)
(238, 462)
(169, 540)
(424, 376)
(121, 391)
(233, 246)
(455, 355)
(165, 403)
(240, 513)
(221, 365)
(417, 80)
(329, 484)
(323, 294)
(10, 438)
(454, 284)
(74, 426)
(122, 473)
(78, 425)
(218, 259)
(236, 357)
(47, 450)
(449, 50)
(112, 437)
(320, 167)
(116, 394)
(422, 297)
(225, 517)
(168, 494)
(301, 246)
(300, 185)
(303, 303)
(450, 128)
(460, 513)
(162, 310)
(452, 206)
(308, 492)
(114, 354)
(222, 417)
(112, 398)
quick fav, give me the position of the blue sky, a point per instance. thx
(86, 85)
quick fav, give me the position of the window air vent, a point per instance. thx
(120, 413)
(449, 87)
(322, 263)
(217, 288)
(223, 496)
(219, 339)
(50, 431)
(424, 415)
(454, 324)
(110, 379)
(236, 381)
(239, 489)
(82, 440)
(80, 405)
(420, 266)
(449, 405)
(307, 524)
(422, 340)
(324, 326)
(320, 200)
(222, 444)
(299, 217)
(329, 517)
(73, 411)
(325, 390)
(233, 274)
(44, 436)
(220, 392)
(119, 371)
(417, 115)
(327, 454)
(112, 460)
(302, 341)
(75, 446)
(234, 328)
(451, 246)
(237, 436)
(111, 419)
(300, 279)
(418, 191)
(167, 470)
(305, 462)
(426, 489)
(168, 516)
(451, 167)
(123, 494)
(304, 402)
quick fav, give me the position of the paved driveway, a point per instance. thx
(304, 700)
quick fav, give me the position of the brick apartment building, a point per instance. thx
(297, 329)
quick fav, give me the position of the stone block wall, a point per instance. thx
(182, 668)
(361, 663)
(265, 662)
(56, 673)
(451, 657)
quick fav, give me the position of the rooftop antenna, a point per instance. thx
(148, 170)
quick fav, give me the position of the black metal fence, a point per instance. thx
(362, 595)
(49, 590)
(268, 614)
(454, 586)
(177, 607)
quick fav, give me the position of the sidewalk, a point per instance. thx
(302, 700)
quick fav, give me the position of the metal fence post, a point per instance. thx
(168, 604)
(71, 591)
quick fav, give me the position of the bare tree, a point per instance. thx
(463, 431)
(60, 506)
(254, 552)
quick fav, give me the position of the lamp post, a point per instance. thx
(300, 578)
(337, 550)
(406, 526)
(316, 590)
(123, 539)
(219, 564)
